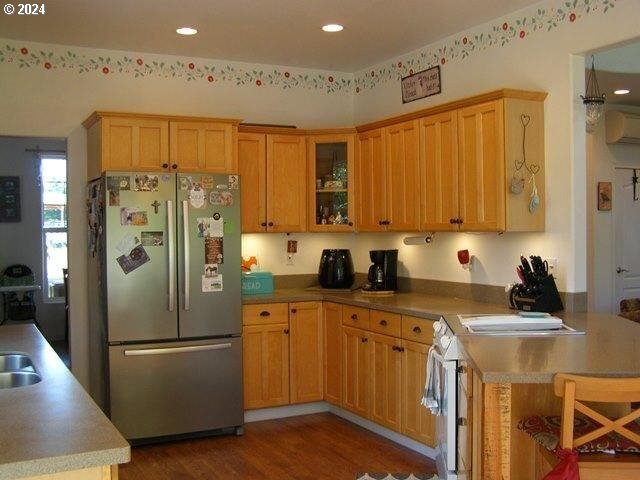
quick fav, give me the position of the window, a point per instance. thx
(53, 174)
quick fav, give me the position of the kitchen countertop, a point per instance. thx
(608, 348)
(54, 425)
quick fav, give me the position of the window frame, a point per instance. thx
(46, 298)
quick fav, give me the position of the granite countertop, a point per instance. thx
(54, 425)
(609, 346)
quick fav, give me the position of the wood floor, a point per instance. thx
(306, 447)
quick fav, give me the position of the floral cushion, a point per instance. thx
(546, 431)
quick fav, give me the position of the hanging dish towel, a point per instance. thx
(431, 398)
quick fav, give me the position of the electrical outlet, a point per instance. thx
(291, 258)
(553, 264)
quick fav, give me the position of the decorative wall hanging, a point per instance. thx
(604, 196)
(9, 199)
(593, 99)
(421, 84)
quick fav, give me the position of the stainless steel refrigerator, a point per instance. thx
(168, 253)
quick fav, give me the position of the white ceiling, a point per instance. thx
(284, 32)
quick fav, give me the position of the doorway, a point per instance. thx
(627, 235)
(33, 236)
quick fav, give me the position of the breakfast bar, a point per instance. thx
(53, 427)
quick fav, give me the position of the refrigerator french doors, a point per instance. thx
(173, 308)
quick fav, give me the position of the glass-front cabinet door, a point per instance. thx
(331, 195)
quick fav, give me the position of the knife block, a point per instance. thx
(546, 299)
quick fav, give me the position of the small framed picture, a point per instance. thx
(604, 196)
(421, 84)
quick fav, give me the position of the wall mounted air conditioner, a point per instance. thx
(622, 127)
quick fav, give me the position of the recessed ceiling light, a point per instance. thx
(332, 27)
(186, 31)
(621, 91)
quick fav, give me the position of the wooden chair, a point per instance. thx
(574, 390)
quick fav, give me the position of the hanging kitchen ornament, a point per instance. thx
(518, 179)
(534, 199)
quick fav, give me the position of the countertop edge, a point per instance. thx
(65, 463)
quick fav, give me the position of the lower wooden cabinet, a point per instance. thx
(417, 422)
(265, 365)
(332, 331)
(306, 348)
(356, 370)
(386, 370)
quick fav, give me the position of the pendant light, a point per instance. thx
(593, 100)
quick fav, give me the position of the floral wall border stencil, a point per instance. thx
(86, 61)
(497, 33)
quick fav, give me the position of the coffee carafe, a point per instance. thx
(382, 274)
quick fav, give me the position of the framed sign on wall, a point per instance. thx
(9, 199)
(421, 84)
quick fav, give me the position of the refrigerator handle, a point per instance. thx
(172, 350)
(171, 247)
(185, 230)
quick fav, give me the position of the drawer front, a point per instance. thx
(265, 313)
(355, 317)
(417, 329)
(385, 323)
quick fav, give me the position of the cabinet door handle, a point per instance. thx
(270, 224)
(452, 221)
(380, 222)
(365, 339)
(354, 316)
(383, 323)
(293, 310)
(264, 313)
(417, 330)
(174, 166)
(286, 331)
(165, 165)
(394, 348)
(350, 224)
(263, 224)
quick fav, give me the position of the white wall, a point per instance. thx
(21, 242)
(602, 159)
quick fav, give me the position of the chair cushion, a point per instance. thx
(546, 431)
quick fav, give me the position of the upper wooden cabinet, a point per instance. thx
(482, 165)
(203, 146)
(371, 188)
(471, 157)
(273, 182)
(330, 167)
(127, 144)
(145, 142)
(402, 176)
(439, 167)
(388, 179)
(306, 352)
(286, 183)
(252, 165)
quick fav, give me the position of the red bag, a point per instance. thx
(567, 469)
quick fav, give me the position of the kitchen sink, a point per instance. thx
(15, 362)
(18, 379)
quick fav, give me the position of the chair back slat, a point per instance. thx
(574, 389)
(595, 389)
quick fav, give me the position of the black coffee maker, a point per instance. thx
(383, 274)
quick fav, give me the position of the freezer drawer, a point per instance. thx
(160, 389)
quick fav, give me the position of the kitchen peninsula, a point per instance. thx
(53, 427)
(508, 378)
